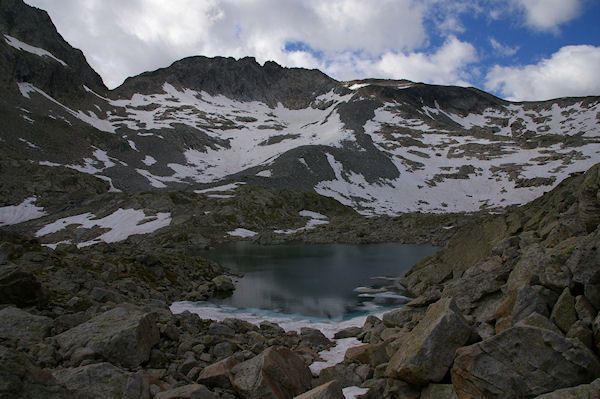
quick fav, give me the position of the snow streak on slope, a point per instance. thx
(19, 45)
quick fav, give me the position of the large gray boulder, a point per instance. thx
(428, 351)
(24, 328)
(522, 361)
(276, 373)
(103, 380)
(123, 335)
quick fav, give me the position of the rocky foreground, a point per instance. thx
(507, 310)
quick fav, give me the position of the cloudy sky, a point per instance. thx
(516, 49)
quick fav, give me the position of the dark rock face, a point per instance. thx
(20, 288)
(34, 27)
(522, 362)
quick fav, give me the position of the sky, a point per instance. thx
(516, 49)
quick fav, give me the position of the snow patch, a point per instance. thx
(16, 43)
(148, 160)
(121, 224)
(357, 86)
(354, 392)
(225, 187)
(15, 214)
(240, 232)
(316, 219)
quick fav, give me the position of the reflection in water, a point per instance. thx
(317, 280)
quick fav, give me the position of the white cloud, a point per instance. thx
(503, 49)
(571, 71)
(448, 65)
(548, 15)
(126, 38)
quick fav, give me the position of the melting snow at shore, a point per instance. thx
(331, 357)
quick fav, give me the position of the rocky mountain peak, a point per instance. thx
(31, 50)
(242, 80)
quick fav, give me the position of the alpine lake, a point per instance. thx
(328, 281)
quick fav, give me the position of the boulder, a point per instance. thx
(349, 332)
(584, 391)
(190, 391)
(405, 316)
(123, 335)
(539, 321)
(585, 310)
(581, 331)
(438, 391)
(330, 390)
(347, 374)
(522, 361)
(596, 329)
(20, 288)
(218, 374)
(103, 380)
(223, 284)
(564, 313)
(276, 373)
(428, 351)
(481, 279)
(24, 328)
(314, 338)
(371, 354)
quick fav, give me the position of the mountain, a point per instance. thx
(379, 146)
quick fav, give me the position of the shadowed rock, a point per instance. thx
(522, 362)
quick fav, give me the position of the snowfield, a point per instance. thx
(507, 154)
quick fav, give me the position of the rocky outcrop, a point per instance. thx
(522, 362)
(426, 354)
(123, 335)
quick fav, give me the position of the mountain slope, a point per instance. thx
(380, 146)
